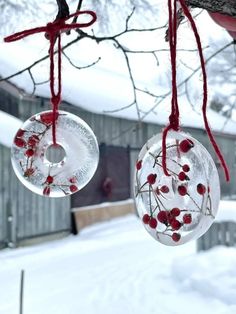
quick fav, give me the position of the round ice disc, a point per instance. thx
(182, 206)
(55, 170)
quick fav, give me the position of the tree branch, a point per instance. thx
(222, 6)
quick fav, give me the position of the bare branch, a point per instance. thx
(222, 6)
(80, 67)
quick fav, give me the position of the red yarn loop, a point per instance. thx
(204, 104)
(174, 117)
(56, 100)
(53, 32)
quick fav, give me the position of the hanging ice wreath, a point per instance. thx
(177, 188)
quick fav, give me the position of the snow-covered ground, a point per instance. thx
(117, 268)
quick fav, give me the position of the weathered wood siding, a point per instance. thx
(220, 233)
(122, 132)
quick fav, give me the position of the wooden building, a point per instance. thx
(24, 215)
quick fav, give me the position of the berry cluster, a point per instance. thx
(158, 217)
(170, 220)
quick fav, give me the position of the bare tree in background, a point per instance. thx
(127, 13)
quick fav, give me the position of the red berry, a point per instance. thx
(186, 145)
(20, 133)
(29, 152)
(151, 178)
(182, 190)
(186, 168)
(175, 211)
(19, 142)
(201, 188)
(162, 216)
(146, 219)
(164, 189)
(176, 236)
(49, 179)
(170, 217)
(73, 180)
(187, 218)
(139, 164)
(152, 223)
(47, 117)
(175, 224)
(182, 176)
(46, 190)
(33, 140)
(73, 188)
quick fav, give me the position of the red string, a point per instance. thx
(174, 116)
(53, 31)
(204, 105)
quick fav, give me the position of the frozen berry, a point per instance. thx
(146, 219)
(186, 145)
(20, 133)
(175, 211)
(182, 190)
(47, 117)
(73, 188)
(175, 224)
(187, 218)
(201, 188)
(73, 180)
(186, 168)
(46, 190)
(164, 189)
(182, 176)
(19, 142)
(162, 216)
(152, 223)
(29, 152)
(33, 140)
(176, 236)
(151, 178)
(139, 164)
(49, 179)
(170, 217)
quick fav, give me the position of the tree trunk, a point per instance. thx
(222, 6)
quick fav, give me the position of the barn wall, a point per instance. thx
(121, 132)
(52, 215)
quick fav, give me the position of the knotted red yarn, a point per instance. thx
(174, 117)
(53, 33)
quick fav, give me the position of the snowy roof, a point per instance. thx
(106, 86)
(8, 127)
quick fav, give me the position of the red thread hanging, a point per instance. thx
(53, 32)
(174, 117)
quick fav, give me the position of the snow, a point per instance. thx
(227, 211)
(106, 86)
(116, 267)
(8, 127)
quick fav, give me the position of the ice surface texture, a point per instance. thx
(50, 170)
(182, 206)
